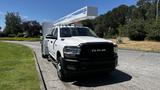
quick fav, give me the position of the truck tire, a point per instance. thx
(43, 56)
(60, 70)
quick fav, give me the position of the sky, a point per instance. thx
(51, 10)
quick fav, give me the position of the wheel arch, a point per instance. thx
(58, 55)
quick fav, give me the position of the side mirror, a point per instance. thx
(50, 37)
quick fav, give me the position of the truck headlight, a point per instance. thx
(71, 51)
(115, 49)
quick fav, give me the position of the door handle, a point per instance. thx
(51, 41)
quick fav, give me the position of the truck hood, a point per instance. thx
(75, 41)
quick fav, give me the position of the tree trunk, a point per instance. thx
(157, 10)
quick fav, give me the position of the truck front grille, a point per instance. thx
(97, 50)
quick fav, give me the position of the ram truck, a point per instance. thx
(77, 50)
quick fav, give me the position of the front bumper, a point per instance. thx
(89, 65)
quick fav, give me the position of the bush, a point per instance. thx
(155, 35)
(123, 31)
(20, 39)
(20, 35)
(137, 35)
(136, 30)
(112, 32)
(12, 35)
(154, 32)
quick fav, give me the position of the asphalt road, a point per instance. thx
(137, 70)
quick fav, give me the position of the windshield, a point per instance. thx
(69, 32)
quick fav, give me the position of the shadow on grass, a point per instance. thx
(102, 79)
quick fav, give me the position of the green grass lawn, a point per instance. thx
(19, 39)
(17, 68)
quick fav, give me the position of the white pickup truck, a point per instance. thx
(77, 50)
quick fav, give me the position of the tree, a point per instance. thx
(13, 23)
(31, 28)
(136, 30)
(153, 30)
(88, 23)
(100, 29)
(147, 9)
(136, 21)
(120, 14)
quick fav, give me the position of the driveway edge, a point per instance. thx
(43, 84)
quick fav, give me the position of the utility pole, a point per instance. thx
(157, 10)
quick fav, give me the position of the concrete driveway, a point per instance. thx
(137, 70)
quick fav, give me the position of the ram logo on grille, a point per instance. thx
(98, 50)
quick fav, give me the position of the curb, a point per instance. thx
(43, 84)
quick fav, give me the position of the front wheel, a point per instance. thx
(60, 70)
